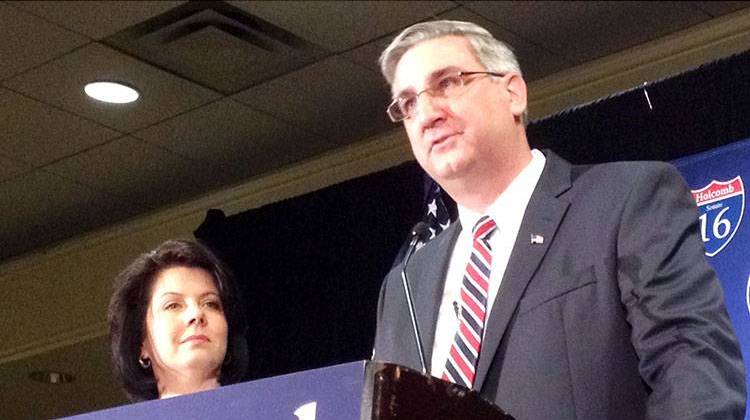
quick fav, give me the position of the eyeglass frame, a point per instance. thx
(459, 74)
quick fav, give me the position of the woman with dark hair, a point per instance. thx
(176, 323)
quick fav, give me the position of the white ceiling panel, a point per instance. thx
(586, 30)
(143, 175)
(230, 135)
(342, 25)
(28, 41)
(61, 83)
(40, 208)
(334, 98)
(97, 19)
(37, 133)
(536, 62)
(10, 168)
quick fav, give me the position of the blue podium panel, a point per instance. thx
(718, 178)
(330, 393)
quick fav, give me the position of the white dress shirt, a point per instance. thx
(507, 211)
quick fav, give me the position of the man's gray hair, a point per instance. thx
(495, 56)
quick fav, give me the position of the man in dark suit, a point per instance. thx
(563, 292)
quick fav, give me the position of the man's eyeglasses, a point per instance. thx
(446, 86)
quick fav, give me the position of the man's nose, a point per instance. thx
(428, 109)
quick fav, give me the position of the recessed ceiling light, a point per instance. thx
(111, 92)
(51, 377)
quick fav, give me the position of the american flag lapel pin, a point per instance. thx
(537, 239)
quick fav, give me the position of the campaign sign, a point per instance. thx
(716, 180)
(721, 205)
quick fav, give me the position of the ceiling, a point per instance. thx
(231, 91)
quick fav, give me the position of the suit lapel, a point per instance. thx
(543, 215)
(427, 280)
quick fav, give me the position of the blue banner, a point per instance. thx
(330, 393)
(717, 179)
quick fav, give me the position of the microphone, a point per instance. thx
(418, 233)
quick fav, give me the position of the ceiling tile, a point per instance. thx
(334, 98)
(39, 208)
(143, 175)
(36, 133)
(163, 95)
(239, 139)
(28, 41)
(341, 25)
(97, 19)
(585, 30)
(367, 55)
(216, 45)
(10, 168)
(718, 8)
(536, 62)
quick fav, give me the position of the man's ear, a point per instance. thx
(516, 87)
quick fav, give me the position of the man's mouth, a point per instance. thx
(441, 140)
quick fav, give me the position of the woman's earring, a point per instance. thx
(145, 363)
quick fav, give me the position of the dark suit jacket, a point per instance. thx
(616, 315)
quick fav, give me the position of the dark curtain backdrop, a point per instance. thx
(692, 112)
(310, 267)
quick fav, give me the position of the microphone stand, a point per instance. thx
(417, 233)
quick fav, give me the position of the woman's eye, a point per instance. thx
(171, 306)
(213, 304)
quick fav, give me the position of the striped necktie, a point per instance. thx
(460, 367)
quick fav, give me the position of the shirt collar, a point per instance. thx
(515, 197)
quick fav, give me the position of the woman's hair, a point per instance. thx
(129, 304)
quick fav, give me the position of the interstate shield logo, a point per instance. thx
(721, 205)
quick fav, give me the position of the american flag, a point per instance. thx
(439, 213)
(437, 216)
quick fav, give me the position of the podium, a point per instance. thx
(358, 390)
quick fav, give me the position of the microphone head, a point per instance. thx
(421, 231)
